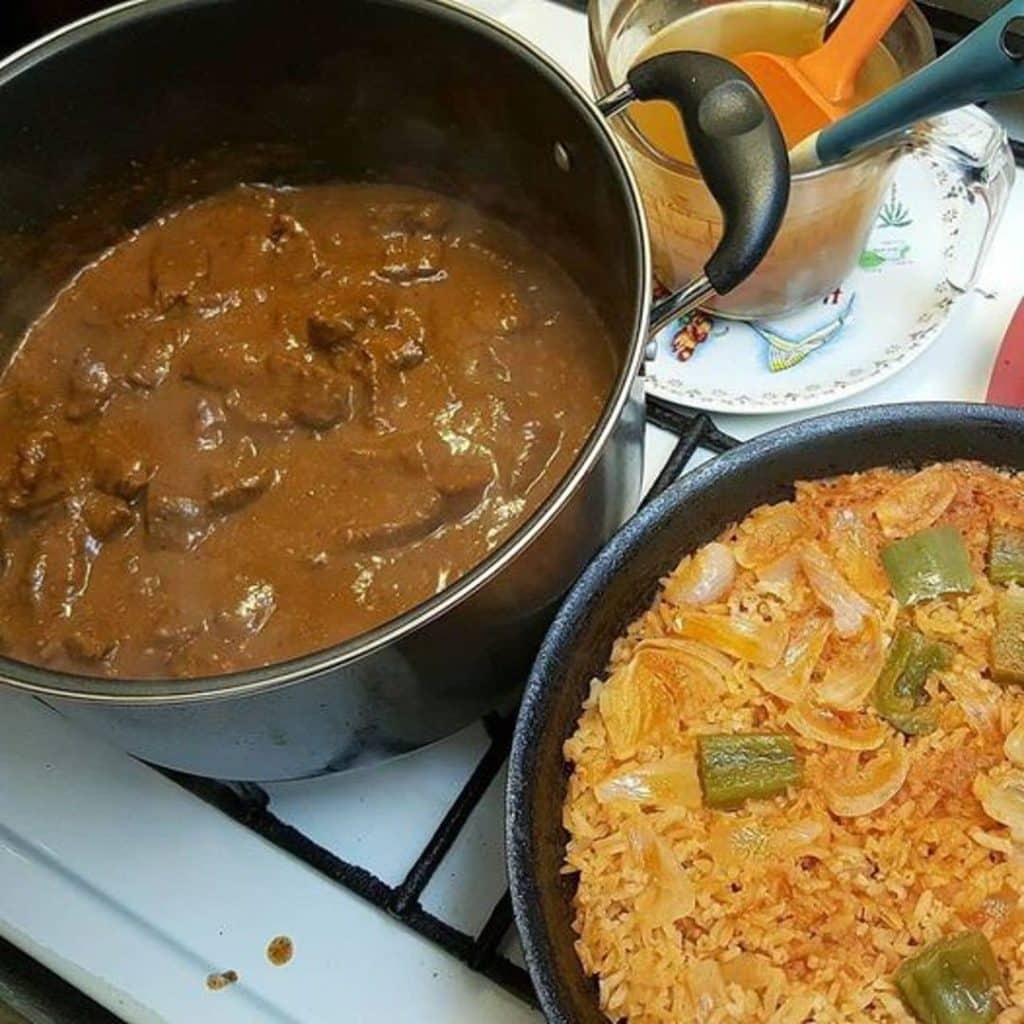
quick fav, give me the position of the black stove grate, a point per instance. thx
(249, 804)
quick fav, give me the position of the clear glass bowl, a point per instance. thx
(831, 211)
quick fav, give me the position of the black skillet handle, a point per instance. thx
(738, 147)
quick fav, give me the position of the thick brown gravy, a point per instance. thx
(278, 418)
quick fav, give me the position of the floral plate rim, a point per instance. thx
(945, 298)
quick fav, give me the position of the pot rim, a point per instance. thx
(168, 690)
(523, 778)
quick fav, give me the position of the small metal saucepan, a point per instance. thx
(622, 581)
(158, 102)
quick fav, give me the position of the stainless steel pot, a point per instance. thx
(157, 102)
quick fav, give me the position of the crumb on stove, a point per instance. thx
(216, 981)
(280, 950)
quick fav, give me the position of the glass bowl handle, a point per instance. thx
(976, 169)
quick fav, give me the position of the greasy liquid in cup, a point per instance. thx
(785, 28)
(830, 213)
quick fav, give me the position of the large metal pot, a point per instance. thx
(157, 102)
(622, 581)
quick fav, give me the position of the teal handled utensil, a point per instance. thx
(988, 63)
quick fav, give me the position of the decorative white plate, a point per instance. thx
(886, 313)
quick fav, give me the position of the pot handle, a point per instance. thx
(739, 151)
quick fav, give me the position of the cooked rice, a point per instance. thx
(798, 914)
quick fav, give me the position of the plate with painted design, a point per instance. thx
(889, 310)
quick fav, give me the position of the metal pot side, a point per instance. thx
(153, 104)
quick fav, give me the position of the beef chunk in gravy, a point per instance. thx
(277, 418)
(278, 389)
(106, 516)
(152, 365)
(89, 387)
(119, 468)
(239, 486)
(414, 245)
(56, 573)
(90, 643)
(176, 522)
(312, 395)
(38, 475)
(178, 266)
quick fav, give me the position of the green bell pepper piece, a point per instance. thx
(1006, 555)
(1008, 638)
(952, 981)
(928, 564)
(899, 690)
(736, 767)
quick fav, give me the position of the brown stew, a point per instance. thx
(277, 418)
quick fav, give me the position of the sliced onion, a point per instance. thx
(788, 680)
(670, 782)
(794, 1010)
(732, 840)
(706, 983)
(761, 643)
(691, 681)
(704, 660)
(753, 972)
(768, 533)
(1011, 1015)
(1003, 800)
(1014, 745)
(916, 502)
(669, 894)
(783, 570)
(625, 709)
(704, 578)
(871, 786)
(991, 841)
(642, 702)
(849, 609)
(852, 732)
(977, 697)
(857, 553)
(797, 837)
(854, 671)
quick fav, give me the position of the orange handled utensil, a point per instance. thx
(811, 91)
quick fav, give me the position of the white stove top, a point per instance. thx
(136, 891)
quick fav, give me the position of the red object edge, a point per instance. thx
(1006, 385)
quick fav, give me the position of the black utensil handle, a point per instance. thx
(738, 148)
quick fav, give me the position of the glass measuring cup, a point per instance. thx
(832, 210)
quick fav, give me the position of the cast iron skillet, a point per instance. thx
(621, 582)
